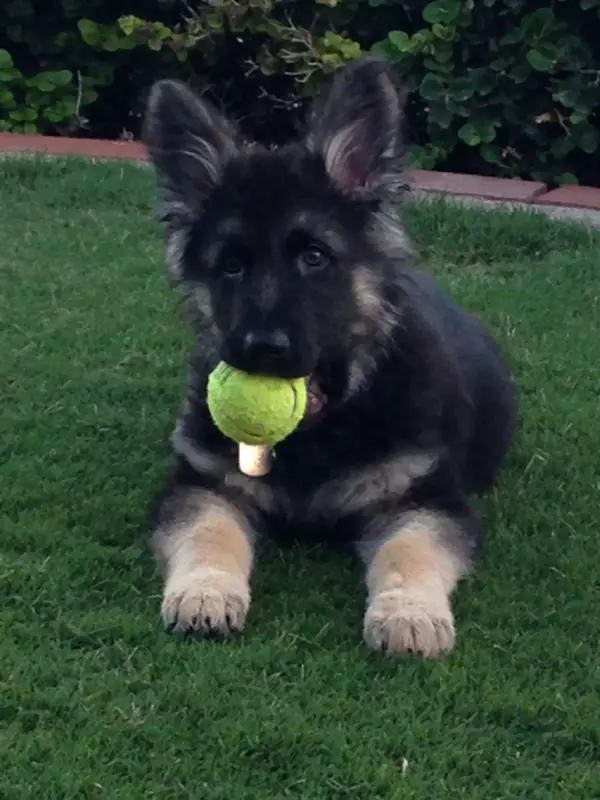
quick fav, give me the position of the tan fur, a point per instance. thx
(207, 463)
(202, 460)
(352, 492)
(371, 305)
(261, 494)
(208, 559)
(389, 233)
(174, 249)
(375, 321)
(410, 580)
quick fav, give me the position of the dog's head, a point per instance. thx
(286, 252)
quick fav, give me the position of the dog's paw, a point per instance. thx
(400, 621)
(210, 601)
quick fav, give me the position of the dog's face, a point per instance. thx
(282, 250)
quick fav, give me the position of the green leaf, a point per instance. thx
(442, 11)
(113, 42)
(500, 64)
(539, 61)
(90, 32)
(385, 49)
(461, 89)
(576, 53)
(33, 97)
(6, 60)
(567, 97)
(484, 80)
(54, 114)
(129, 24)
(565, 178)
(444, 52)
(512, 37)
(50, 80)
(469, 135)
(44, 85)
(432, 87)
(62, 77)
(89, 96)
(587, 4)
(444, 32)
(520, 73)
(437, 66)
(440, 114)
(480, 132)
(9, 75)
(427, 156)
(491, 153)
(487, 130)
(586, 136)
(578, 116)
(538, 23)
(562, 147)
(400, 40)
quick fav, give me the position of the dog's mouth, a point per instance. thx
(316, 398)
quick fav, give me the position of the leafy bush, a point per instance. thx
(502, 87)
(47, 78)
(505, 87)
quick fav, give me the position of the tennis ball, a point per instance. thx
(255, 409)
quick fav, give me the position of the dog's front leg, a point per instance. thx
(413, 564)
(206, 546)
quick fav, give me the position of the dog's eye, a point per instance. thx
(232, 267)
(313, 258)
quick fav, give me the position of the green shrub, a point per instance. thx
(502, 87)
(48, 78)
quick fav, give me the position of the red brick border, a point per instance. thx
(498, 189)
(573, 197)
(65, 146)
(506, 189)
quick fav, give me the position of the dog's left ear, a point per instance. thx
(356, 129)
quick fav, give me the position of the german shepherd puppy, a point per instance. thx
(293, 262)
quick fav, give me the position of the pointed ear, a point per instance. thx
(189, 143)
(356, 129)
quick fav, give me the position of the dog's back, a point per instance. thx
(488, 382)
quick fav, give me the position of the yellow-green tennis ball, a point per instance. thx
(255, 409)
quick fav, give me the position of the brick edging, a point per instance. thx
(509, 190)
(67, 146)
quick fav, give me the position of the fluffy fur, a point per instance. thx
(294, 262)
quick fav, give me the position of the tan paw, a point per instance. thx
(401, 621)
(207, 600)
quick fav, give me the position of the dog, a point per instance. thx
(294, 262)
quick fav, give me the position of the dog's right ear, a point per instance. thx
(189, 143)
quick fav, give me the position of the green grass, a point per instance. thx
(97, 702)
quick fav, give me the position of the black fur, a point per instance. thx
(294, 262)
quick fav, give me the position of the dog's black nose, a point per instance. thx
(268, 345)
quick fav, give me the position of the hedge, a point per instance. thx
(498, 87)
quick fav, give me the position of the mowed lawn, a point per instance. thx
(96, 701)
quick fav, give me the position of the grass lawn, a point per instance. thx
(97, 702)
